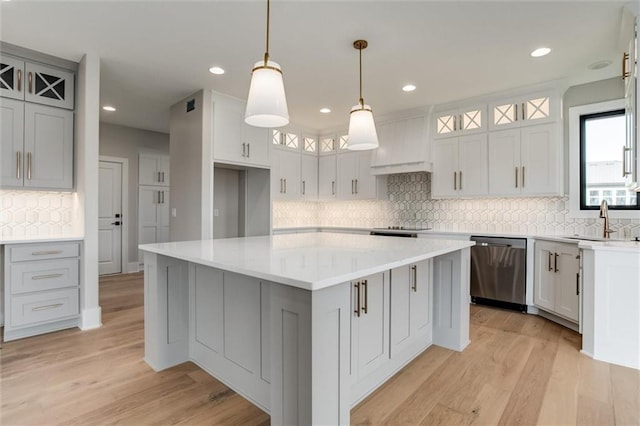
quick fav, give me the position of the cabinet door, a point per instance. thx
(400, 314)
(388, 143)
(544, 279)
(365, 185)
(568, 281)
(505, 114)
(347, 171)
(285, 180)
(12, 77)
(165, 169)
(228, 116)
(309, 176)
(164, 212)
(372, 334)
(445, 168)
(327, 177)
(504, 162)
(48, 86)
(421, 295)
(149, 199)
(540, 156)
(445, 124)
(48, 145)
(153, 169)
(257, 144)
(11, 143)
(472, 165)
(415, 145)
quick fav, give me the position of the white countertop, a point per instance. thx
(39, 239)
(311, 261)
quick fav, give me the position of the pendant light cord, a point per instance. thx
(361, 100)
(266, 52)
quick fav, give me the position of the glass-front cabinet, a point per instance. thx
(460, 121)
(535, 108)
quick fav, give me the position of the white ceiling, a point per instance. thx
(153, 54)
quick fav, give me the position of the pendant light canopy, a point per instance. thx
(362, 129)
(267, 103)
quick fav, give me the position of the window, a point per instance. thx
(602, 137)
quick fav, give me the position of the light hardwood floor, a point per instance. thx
(518, 370)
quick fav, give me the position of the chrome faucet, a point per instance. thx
(604, 214)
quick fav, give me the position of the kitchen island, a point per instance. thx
(306, 325)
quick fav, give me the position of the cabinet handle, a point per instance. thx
(356, 186)
(249, 150)
(460, 180)
(624, 161)
(29, 165)
(352, 191)
(414, 269)
(162, 197)
(30, 78)
(550, 268)
(455, 181)
(357, 287)
(523, 112)
(333, 187)
(516, 175)
(45, 252)
(159, 178)
(52, 306)
(365, 306)
(515, 106)
(244, 148)
(158, 197)
(523, 176)
(455, 127)
(285, 185)
(625, 71)
(18, 164)
(460, 123)
(555, 262)
(19, 80)
(45, 277)
(304, 189)
(163, 177)
(578, 284)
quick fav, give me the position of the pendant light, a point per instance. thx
(267, 104)
(362, 129)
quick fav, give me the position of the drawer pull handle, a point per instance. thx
(46, 277)
(52, 306)
(45, 252)
(414, 269)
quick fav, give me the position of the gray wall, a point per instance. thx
(191, 169)
(127, 142)
(226, 200)
(584, 94)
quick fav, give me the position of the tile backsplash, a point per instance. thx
(410, 204)
(36, 213)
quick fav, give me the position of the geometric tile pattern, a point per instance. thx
(410, 204)
(31, 213)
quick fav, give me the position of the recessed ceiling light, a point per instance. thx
(325, 110)
(540, 52)
(599, 65)
(109, 108)
(408, 88)
(216, 70)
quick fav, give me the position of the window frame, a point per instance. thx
(583, 169)
(572, 178)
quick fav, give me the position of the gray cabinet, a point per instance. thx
(36, 146)
(557, 279)
(36, 83)
(369, 325)
(42, 285)
(411, 288)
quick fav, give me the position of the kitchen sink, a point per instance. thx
(583, 238)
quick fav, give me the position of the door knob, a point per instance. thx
(116, 223)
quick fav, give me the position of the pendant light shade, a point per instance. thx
(267, 103)
(362, 128)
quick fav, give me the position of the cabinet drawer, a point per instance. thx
(44, 307)
(48, 275)
(24, 252)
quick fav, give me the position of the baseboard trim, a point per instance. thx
(91, 318)
(133, 267)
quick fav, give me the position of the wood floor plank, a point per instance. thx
(518, 369)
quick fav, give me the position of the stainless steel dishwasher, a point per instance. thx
(498, 272)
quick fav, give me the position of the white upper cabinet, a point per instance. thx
(234, 141)
(327, 177)
(525, 161)
(535, 108)
(460, 121)
(36, 83)
(404, 147)
(460, 167)
(308, 177)
(153, 169)
(355, 181)
(285, 174)
(327, 144)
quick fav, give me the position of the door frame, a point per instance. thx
(124, 193)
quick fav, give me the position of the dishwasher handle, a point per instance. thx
(495, 245)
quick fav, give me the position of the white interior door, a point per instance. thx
(110, 218)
